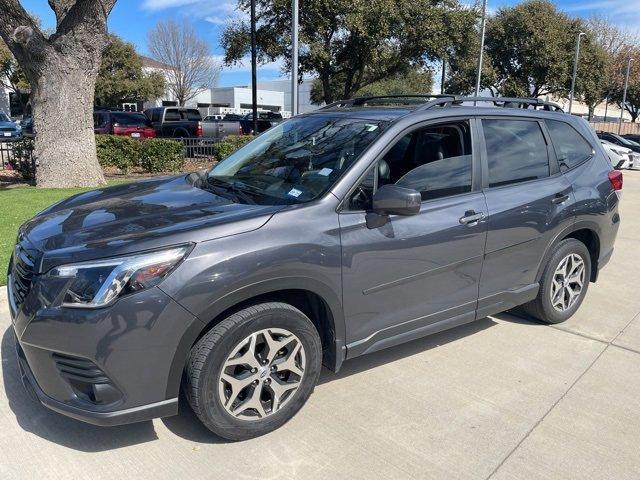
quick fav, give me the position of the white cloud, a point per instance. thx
(156, 5)
(244, 65)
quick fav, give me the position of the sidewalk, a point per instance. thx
(500, 398)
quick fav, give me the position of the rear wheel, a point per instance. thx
(253, 371)
(564, 283)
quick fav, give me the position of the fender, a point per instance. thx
(574, 227)
(337, 350)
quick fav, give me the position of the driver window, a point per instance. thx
(436, 161)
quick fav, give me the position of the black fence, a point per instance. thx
(198, 149)
(18, 155)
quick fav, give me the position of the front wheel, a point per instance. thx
(564, 283)
(253, 371)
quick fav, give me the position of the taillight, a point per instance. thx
(615, 177)
(241, 131)
(118, 130)
(149, 133)
(199, 132)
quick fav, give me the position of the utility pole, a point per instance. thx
(294, 58)
(254, 68)
(624, 95)
(575, 71)
(480, 58)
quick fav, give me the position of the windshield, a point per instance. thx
(296, 161)
(3, 117)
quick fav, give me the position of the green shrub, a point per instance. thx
(229, 145)
(118, 151)
(159, 155)
(23, 160)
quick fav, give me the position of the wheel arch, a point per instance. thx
(584, 231)
(311, 296)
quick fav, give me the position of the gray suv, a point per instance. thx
(363, 225)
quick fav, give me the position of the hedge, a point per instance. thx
(153, 155)
(230, 144)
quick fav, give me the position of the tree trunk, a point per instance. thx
(65, 146)
(592, 109)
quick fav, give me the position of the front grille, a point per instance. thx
(22, 270)
(7, 129)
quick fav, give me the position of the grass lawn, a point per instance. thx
(17, 205)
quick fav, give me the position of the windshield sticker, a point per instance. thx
(325, 172)
(294, 192)
(371, 127)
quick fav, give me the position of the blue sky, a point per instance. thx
(131, 19)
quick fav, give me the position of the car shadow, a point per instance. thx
(39, 420)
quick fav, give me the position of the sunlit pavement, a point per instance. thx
(502, 397)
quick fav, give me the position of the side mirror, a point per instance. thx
(393, 200)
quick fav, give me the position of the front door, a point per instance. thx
(418, 274)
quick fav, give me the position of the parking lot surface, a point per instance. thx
(501, 398)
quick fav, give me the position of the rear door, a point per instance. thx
(529, 201)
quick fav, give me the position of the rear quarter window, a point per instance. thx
(571, 148)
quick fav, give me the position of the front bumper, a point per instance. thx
(106, 367)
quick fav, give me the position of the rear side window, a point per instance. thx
(192, 115)
(516, 151)
(172, 115)
(571, 147)
(99, 120)
(155, 116)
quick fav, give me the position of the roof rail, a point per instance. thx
(505, 102)
(431, 101)
(362, 101)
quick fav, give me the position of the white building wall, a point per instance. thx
(284, 85)
(5, 105)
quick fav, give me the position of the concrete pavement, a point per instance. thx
(501, 398)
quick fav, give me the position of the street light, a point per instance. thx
(575, 71)
(480, 58)
(294, 58)
(254, 69)
(624, 95)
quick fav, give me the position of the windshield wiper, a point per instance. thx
(238, 191)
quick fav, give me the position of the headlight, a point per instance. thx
(96, 284)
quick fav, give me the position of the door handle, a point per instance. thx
(560, 198)
(471, 218)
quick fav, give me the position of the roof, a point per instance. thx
(151, 63)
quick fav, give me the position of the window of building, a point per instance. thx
(516, 151)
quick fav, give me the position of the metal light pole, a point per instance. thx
(294, 58)
(575, 71)
(480, 58)
(624, 95)
(254, 68)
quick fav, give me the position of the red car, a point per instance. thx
(130, 124)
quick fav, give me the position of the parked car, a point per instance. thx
(175, 122)
(266, 120)
(634, 137)
(129, 124)
(217, 129)
(9, 131)
(622, 158)
(335, 234)
(619, 140)
(26, 124)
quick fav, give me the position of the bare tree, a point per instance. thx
(191, 66)
(62, 69)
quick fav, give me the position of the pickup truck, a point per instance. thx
(175, 122)
(232, 124)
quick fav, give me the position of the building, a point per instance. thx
(5, 103)
(284, 85)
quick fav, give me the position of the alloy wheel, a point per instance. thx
(261, 374)
(568, 282)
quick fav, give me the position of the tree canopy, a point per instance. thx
(353, 44)
(121, 77)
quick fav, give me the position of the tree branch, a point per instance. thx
(21, 33)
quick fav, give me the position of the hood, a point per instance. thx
(9, 125)
(137, 216)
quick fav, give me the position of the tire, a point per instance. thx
(231, 341)
(542, 308)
